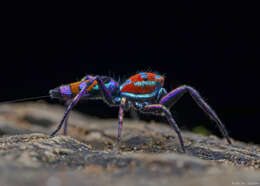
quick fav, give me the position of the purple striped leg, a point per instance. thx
(120, 122)
(73, 103)
(66, 120)
(171, 98)
(105, 92)
(161, 109)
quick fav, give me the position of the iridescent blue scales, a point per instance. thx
(143, 92)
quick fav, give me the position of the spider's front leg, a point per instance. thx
(161, 109)
(67, 103)
(171, 98)
(105, 93)
(72, 103)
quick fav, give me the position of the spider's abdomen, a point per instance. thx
(142, 83)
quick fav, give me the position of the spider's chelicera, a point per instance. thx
(144, 92)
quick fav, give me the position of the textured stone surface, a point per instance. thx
(150, 152)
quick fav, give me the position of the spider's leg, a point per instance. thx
(74, 102)
(105, 92)
(120, 122)
(161, 109)
(66, 120)
(171, 98)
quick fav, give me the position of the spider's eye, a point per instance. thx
(145, 79)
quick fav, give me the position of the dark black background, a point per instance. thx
(213, 47)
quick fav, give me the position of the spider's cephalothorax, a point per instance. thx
(143, 91)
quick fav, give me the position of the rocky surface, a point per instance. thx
(150, 152)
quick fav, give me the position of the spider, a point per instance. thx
(143, 92)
